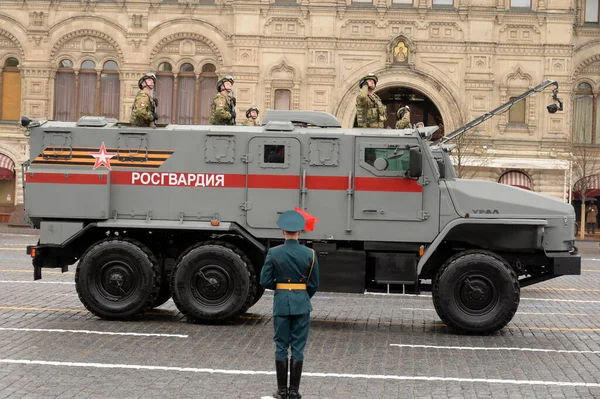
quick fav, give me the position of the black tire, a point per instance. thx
(117, 279)
(260, 290)
(213, 282)
(476, 291)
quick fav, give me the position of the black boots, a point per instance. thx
(281, 366)
(295, 374)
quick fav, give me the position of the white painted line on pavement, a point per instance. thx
(522, 298)
(307, 374)
(540, 313)
(560, 300)
(35, 282)
(518, 313)
(475, 348)
(93, 332)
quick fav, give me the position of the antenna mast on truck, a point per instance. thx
(552, 108)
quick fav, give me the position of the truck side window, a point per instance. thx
(274, 153)
(396, 160)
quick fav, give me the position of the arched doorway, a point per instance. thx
(442, 96)
(423, 109)
(7, 187)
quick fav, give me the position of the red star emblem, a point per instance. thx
(103, 157)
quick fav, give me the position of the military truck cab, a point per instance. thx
(189, 212)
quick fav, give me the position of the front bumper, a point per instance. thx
(565, 263)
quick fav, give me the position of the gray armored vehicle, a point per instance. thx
(188, 212)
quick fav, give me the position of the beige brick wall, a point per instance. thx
(468, 59)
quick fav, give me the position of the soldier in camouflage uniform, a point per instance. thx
(403, 115)
(370, 111)
(252, 116)
(143, 112)
(223, 105)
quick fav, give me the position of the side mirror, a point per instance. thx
(442, 168)
(415, 161)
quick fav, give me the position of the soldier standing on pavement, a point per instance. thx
(403, 115)
(223, 105)
(370, 111)
(252, 116)
(292, 271)
(143, 112)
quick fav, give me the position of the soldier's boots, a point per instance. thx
(281, 367)
(295, 374)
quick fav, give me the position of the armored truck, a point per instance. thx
(188, 213)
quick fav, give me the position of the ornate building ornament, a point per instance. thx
(89, 34)
(184, 42)
(399, 51)
(582, 67)
(10, 42)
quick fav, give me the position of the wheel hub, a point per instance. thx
(212, 283)
(117, 280)
(476, 293)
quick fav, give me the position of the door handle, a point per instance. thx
(370, 210)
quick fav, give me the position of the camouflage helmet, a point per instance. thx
(150, 75)
(255, 108)
(364, 79)
(400, 113)
(227, 78)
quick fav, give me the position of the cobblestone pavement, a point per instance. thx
(360, 346)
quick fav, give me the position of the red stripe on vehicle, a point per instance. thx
(66, 178)
(216, 180)
(273, 181)
(393, 184)
(327, 182)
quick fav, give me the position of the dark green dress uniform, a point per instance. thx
(291, 270)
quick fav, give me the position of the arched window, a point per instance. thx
(7, 182)
(583, 115)
(208, 82)
(164, 92)
(10, 97)
(186, 82)
(516, 178)
(88, 92)
(86, 103)
(64, 92)
(110, 90)
(187, 99)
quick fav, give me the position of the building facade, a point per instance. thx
(450, 60)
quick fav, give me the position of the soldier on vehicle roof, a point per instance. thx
(370, 111)
(143, 112)
(292, 271)
(403, 115)
(252, 116)
(223, 105)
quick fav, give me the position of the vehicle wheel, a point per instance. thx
(476, 292)
(117, 279)
(213, 282)
(260, 290)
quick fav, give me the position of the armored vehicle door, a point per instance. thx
(273, 182)
(382, 190)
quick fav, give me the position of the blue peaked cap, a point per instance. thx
(291, 221)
